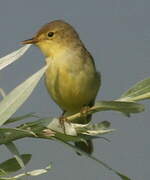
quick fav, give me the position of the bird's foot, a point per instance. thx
(84, 111)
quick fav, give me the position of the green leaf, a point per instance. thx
(36, 172)
(11, 102)
(138, 92)
(2, 92)
(10, 58)
(10, 134)
(66, 138)
(3, 173)
(15, 119)
(122, 176)
(93, 129)
(12, 165)
(13, 149)
(7, 178)
(45, 129)
(124, 107)
(73, 131)
(97, 129)
(92, 126)
(102, 125)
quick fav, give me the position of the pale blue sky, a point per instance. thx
(117, 33)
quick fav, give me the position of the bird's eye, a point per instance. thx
(50, 34)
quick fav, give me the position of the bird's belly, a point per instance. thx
(70, 90)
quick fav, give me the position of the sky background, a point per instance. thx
(117, 33)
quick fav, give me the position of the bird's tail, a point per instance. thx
(86, 146)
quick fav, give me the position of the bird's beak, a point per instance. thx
(33, 40)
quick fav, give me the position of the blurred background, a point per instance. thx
(117, 33)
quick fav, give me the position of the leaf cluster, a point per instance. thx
(50, 127)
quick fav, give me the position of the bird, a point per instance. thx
(71, 78)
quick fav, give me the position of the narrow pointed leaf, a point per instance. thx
(36, 172)
(93, 129)
(3, 173)
(11, 102)
(13, 149)
(10, 58)
(11, 165)
(138, 92)
(15, 119)
(124, 107)
(10, 134)
(8, 178)
(2, 92)
(122, 176)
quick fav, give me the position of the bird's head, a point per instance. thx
(54, 37)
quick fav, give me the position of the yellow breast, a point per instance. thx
(71, 85)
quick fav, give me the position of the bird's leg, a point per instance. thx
(62, 120)
(84, 111)
(84, 114)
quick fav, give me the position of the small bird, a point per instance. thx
(71, 78)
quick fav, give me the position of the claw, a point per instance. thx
(84, 111)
